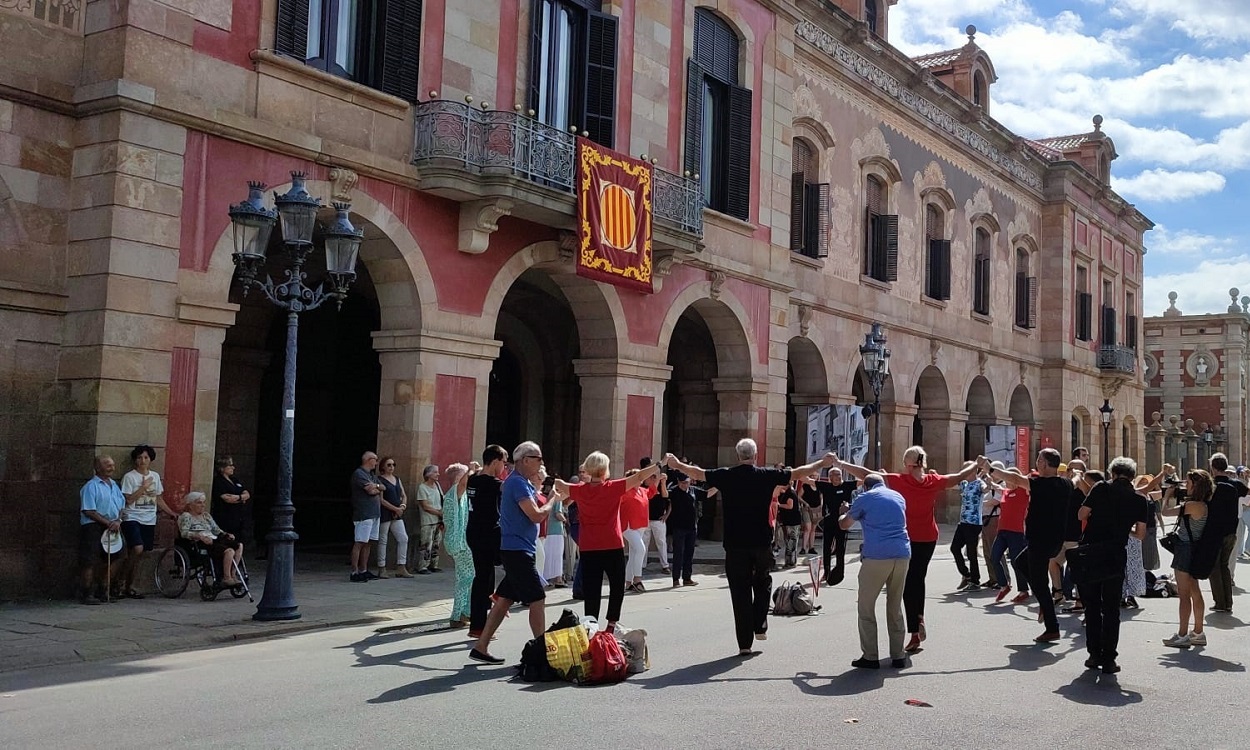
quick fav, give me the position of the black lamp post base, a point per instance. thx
(278, 601)
(277, 614)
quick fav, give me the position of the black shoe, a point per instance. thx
(1093, 663)
(423, 572)
(1110, 668)
(476, 655)
(368, 576)
(89, 599)
(862, 663)
(436, 570)
(898, 663)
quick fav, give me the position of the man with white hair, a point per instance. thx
(883, 565)
(747, 492)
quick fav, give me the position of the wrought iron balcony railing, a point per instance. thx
(1117, 359)
(499, 142)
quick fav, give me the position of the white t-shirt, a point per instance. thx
(432, 496)
(144, 509)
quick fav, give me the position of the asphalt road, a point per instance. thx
(988, 686)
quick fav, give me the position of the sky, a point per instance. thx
(1171, 79)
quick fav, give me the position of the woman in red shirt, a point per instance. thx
(635, 518)
(599, 539)
(920, 489)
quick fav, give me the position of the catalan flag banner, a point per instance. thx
(613, 217)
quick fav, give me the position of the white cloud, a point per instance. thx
(1207, 20)
(1163, 185)
(1200, 289)
(1163, 244)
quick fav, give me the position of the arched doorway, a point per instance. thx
(1021, 412)
(807, 386)
(980, 408)
(337, 393)
(933, 409)
(534, 392)
(861, 389)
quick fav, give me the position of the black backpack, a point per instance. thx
(534, 666)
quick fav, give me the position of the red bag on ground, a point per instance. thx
(607, 660)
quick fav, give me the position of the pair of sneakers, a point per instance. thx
(1185, 640)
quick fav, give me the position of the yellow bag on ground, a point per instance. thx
(567, 652)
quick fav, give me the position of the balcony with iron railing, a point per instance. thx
(472, 155)
(1117, 359)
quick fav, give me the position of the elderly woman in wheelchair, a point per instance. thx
(198, 527)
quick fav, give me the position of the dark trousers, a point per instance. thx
(683, 554)
(750, 589)
(1011, 543)
(834, 541)
(484, 556)
(1102, 617)
(593, 565)
(1037, 570)
(913, 587)
(1221, 579)
(967, 536)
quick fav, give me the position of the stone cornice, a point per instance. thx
(940, 117)
(15, 295)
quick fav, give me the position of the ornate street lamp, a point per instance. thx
(253, 223)
(1106, 410)
(877, 367)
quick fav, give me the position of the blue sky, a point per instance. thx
(1172, 80)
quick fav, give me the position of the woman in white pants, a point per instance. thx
(553, 569)
(394, 503)
(635, 504)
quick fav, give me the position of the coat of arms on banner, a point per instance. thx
(614, 217)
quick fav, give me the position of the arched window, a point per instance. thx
(937, 265)
(718, 117)
(981, 272)
(980, 92)
(881, 240)
(870, 15)
(809, 204)
(1026, 291)
(1104, 168)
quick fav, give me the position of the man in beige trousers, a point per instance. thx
(883, 564)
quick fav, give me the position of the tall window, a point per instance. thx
(375, 43)
(881, 240)
(1026, 291)
(718, 117)
(573, 66)
(870, 15)
(1130, 320)
(1084, 306)
(809, 204)
(980, 91)
(981, 272)
(1106, 332)
(937, 275)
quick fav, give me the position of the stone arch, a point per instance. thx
(595, 306)
(1080, 431)
(808, 367)
(405, 287)
(980, 401)
(1021, 408)
(932, 391)
(815, 131)
(729, 323)
(883, 167)
(727, 12)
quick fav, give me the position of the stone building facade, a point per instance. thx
(844, 184)
(1195, 371)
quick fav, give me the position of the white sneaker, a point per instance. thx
(1197, 639)
(1179, 641)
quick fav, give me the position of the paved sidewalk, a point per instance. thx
(38, 634)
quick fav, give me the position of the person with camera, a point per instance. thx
(1189, 504)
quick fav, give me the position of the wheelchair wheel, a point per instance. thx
(172, 573)
(208, 591)
(238, 592)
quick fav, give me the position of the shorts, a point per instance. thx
(135, 534)
(367, 530)
(521, 582)
(90, 551)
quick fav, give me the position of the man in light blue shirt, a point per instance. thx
(883, 564)
(100, 504)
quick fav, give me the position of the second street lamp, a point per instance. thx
(1106, 410)
(253, 223)
(876, 361)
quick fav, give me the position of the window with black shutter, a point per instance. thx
(374, 43)
(1026, 291)
(881, 233)
(809, 204)
(573, 54)
(937, 274)
(1106, 334)
(981, 272)
(1130, 320)
(870, 15)
(1084, 316)
(718, 118)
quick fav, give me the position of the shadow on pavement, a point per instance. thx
(1098, 689)
(1196, 661)
(1023, 658)
(40, 677)
(1223, 621)
(697, 674)
(445, 683)
(853, 682)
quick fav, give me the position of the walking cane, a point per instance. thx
(108, 570)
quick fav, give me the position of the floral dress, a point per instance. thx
(1134, 570)
(455, 520)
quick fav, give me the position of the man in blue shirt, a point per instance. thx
(519, 516)
(883, 563)
(101, 503)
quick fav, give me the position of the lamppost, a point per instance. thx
(877, 367)
(253, 223)
(1106, 410)
(1208, 437)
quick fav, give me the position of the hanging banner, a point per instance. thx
(613, 217)
(1024, 457)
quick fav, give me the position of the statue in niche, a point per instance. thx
(1200, 367)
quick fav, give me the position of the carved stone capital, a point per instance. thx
(717, 279)
(343, 182)
(478, 220)
(805, 318)
(935, 351)
(983, 359)
(1111, 386)
(568, 245)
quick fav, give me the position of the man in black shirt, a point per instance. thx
(1222, 521)
(834, 493)
(657, 527)
(682, 524)
(1043, 527)
(482, 533)
(1111, 512)
(746, 492)
(790, 519)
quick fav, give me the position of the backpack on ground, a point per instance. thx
(634, 644)
(534, 666)
(607, 660)
(1160, 587)
(792, 599)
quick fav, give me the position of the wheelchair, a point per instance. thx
(187, 560)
